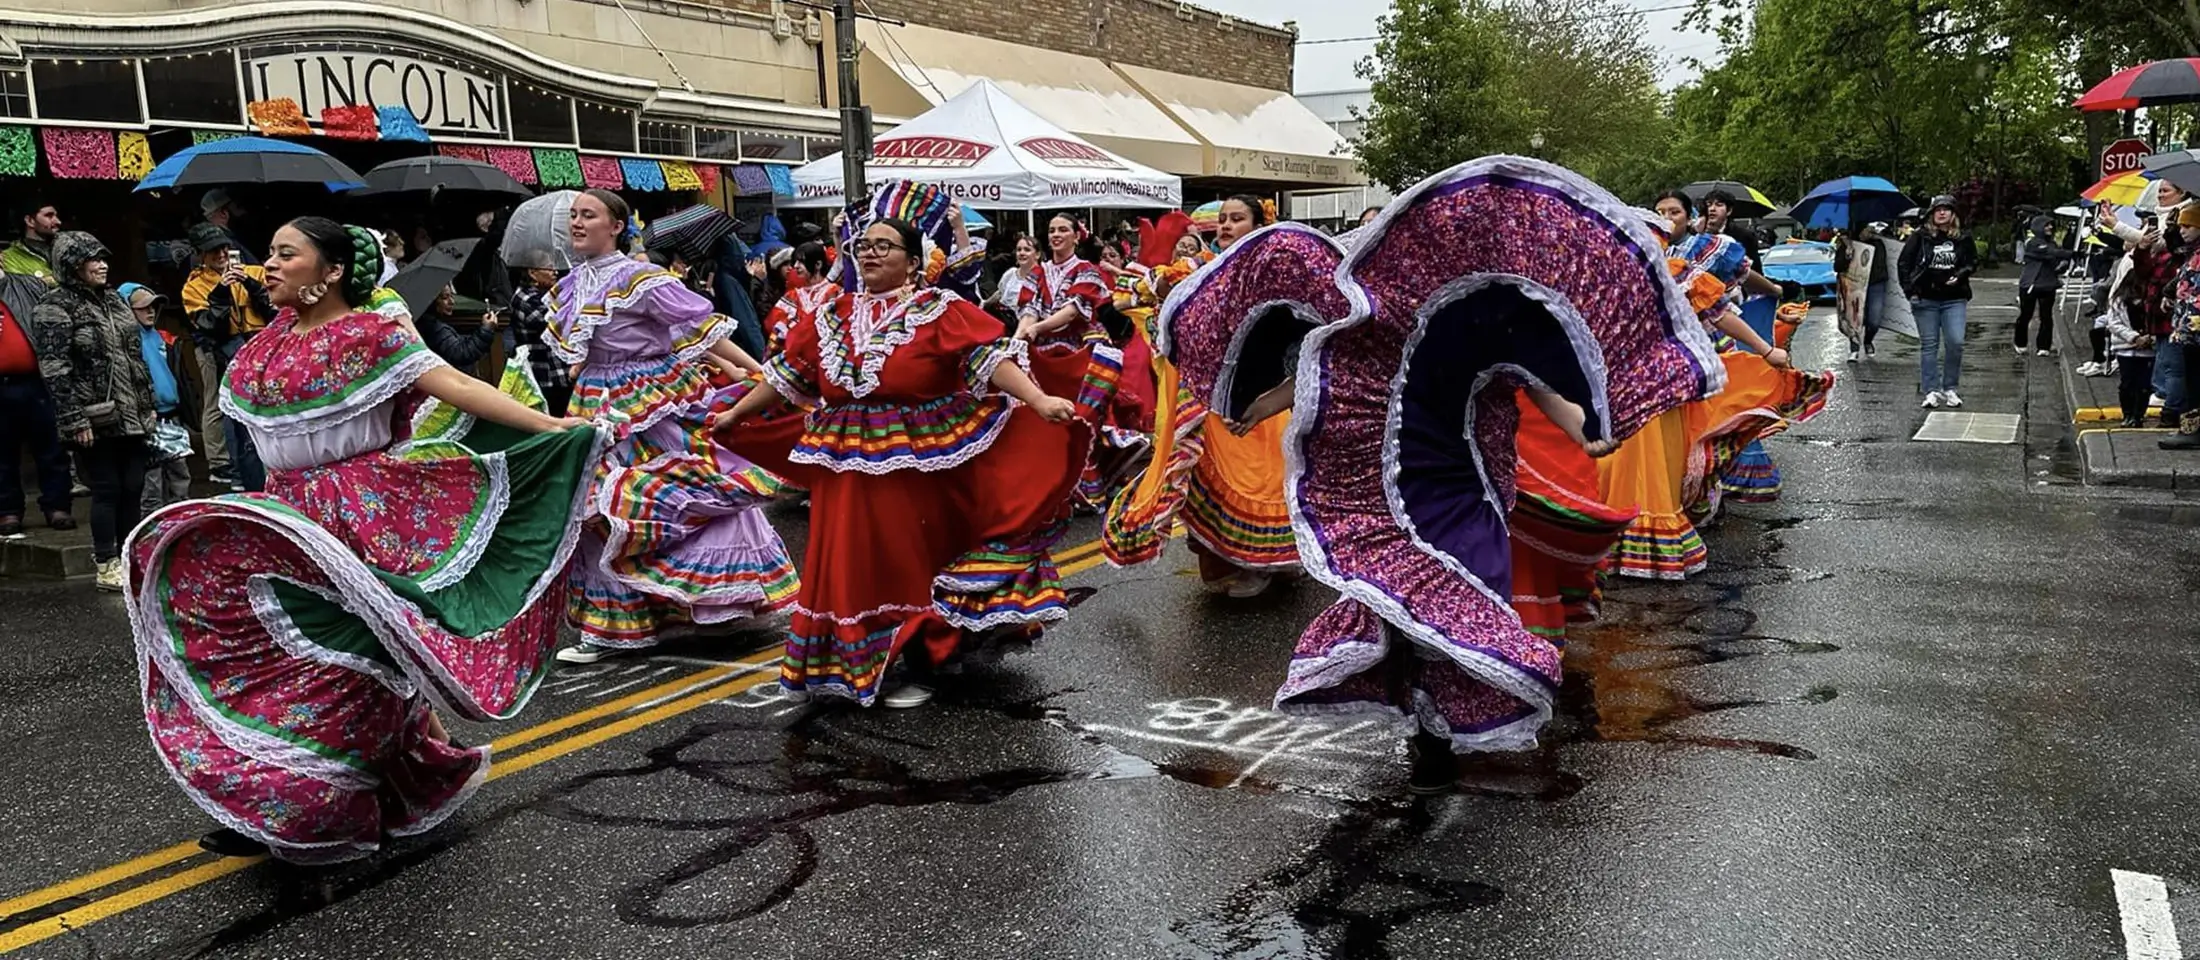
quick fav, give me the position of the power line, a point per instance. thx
(1580, 19)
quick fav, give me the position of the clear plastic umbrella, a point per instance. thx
(540, 234)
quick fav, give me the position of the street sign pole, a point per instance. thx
(855, 118)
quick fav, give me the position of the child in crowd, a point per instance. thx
(2131, 346)
(168, 472)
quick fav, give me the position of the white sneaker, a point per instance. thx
(2089, 369)
(2044, 352)
(1931, 400)
(2020, 349)
(584, 653)
(1948, 398)
(1855, 354)
(109, 577)
(906, 697)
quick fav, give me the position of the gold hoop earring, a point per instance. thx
(313, 294)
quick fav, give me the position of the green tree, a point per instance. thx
(1571, 81)
(1439, 89)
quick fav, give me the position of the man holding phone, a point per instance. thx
(226, 300)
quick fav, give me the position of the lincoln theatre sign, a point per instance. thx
(443, 97)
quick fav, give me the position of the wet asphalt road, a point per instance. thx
(1920, 708)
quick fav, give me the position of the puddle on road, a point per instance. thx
(1340, 898)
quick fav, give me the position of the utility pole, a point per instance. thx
(855, 118)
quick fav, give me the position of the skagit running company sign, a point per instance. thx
(1070, 154)
(929, 152)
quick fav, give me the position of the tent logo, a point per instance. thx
(930, 152)
(1070, 153)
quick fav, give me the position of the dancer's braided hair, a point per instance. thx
(352, 248)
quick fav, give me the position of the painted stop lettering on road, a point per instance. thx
(2123, 156)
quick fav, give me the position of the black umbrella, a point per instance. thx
(1748, 202)
(424, 278)
(2181, 167)
(692, 232)
(434, 174)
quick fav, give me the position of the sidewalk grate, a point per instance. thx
(1970, 428)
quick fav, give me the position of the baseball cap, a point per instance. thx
(213, 200)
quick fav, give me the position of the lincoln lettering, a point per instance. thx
(440, 97)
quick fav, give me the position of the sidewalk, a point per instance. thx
(2113, 455)
(47, 554)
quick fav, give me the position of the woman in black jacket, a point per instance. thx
(2041, 282)
(1936, 265)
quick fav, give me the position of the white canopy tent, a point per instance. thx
(988, 151)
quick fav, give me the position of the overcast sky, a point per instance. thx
(1329, 66)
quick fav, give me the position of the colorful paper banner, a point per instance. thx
(73, 154)
(515, 161)
(351, 122)
(464, 152)
(280, 117)
(133, 155)
(602, 172)
(559, 169)
(18, 152)
(681, 175)
(398, 124)
(642, 174)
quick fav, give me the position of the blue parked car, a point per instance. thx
(1806, 262)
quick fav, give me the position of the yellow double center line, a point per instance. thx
(677, 697)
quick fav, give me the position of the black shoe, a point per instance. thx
(2130, 422)
(1435, 768)
(2180, 441)
(11, 526)
(61, 520)
(229, 843)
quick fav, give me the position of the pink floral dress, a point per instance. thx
(292, 643)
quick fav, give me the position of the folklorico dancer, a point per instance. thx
(1223, 479)
(941, 457)
(677, 541)
(809, 289)
(1402, 459)
(294, 645)
(1669, 470)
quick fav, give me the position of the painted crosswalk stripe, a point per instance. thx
(2149, 931)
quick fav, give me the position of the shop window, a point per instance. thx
(823, 147)
(667, 139)
(540, 116)
(717, 143)
(98, 90)
(200, 87)
(15, 94)
(605, 128)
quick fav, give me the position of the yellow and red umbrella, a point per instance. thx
(2121, 189)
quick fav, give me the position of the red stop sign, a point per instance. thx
(2123, 156)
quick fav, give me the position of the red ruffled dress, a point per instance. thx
(934, 500)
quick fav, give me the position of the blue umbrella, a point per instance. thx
(250, 160)
(1849, 200)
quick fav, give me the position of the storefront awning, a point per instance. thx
(1252, 133)
(910, 69)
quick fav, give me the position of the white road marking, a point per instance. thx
(2150, 933)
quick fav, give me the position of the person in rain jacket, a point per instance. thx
(2042, 280)
(90, 353)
